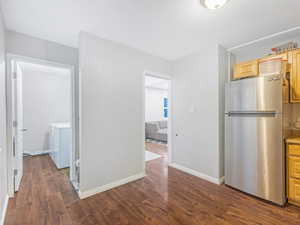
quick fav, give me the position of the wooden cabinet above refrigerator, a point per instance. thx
(245, 69)
(295, 77)
(292, 72)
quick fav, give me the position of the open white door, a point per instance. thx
(17, 125)
(74, 167)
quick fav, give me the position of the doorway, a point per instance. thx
(41, 117)
(157, 122)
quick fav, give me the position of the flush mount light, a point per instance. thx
(213, 4)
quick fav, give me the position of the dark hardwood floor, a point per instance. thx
(160, 149)
(165, 197)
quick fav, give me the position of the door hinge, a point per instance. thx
(15, 75)
(15, 172)
(15, 123)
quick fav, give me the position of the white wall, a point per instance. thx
(21, 44)
(3, 149)
(263, 48)
(154, 104)
(195, 114)
(49, 101)
(112, 111)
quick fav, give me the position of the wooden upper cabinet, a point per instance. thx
(295, 77)
(286, 56)
(282, 56)
(245, 69)
(285, 82)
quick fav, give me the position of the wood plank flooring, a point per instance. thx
(165, 197)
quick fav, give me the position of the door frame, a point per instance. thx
(16, 82)
(170, 113)
(10, 58)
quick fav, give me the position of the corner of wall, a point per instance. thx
(195, 173)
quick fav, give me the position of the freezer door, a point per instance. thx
(255, 94)
(254, 158)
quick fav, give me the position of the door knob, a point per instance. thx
(24, 129)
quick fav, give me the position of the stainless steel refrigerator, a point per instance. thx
(254, 145)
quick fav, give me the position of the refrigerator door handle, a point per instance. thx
(252, 113)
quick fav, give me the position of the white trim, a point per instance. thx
(155, 88)
(2, 218)
(106, 187)
(170, 119)
(143, 122)
(79, 141)
(197, 174)
(27, 59)
(222, 180)
(263, 38)
(157, 75)
(37, 152)
(19, 58)
(169, 79)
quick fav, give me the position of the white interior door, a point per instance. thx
(17, 126)
(73, 171)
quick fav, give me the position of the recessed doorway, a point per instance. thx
(41, 118)
(157, 122)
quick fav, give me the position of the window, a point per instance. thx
(165, 102)
(166, 107)
(166, 113)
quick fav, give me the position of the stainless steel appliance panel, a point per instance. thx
(255, 156)
(254, 147)
(255, 94)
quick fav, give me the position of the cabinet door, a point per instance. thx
(294, 150)
(295, 77)
(294, 190)
(285, 82)
(282, 56)
(245, 69)
(294, 166)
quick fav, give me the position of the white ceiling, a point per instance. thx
(153, 82)
(166, 28)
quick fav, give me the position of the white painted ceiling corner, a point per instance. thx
(166, 28)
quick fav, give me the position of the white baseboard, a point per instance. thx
(197, 174)
(88, 193)
(3, 213)
(222, 180)
(37, 152)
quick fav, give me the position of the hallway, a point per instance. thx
(165, 196)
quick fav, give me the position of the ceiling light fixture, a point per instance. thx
(213, 4)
